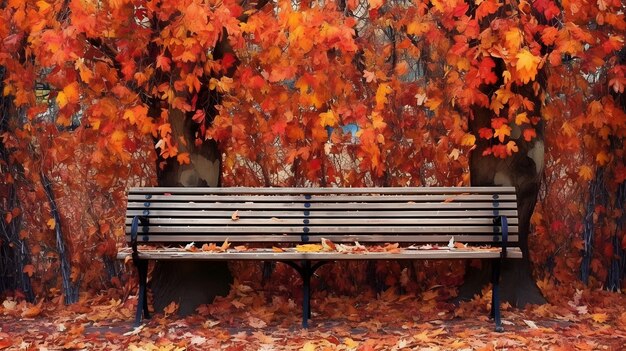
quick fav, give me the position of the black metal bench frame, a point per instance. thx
(307, 263)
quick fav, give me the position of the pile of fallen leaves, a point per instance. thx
(260, 319)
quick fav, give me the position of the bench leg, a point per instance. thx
(142, 303)
(495, 296)
(306, 293)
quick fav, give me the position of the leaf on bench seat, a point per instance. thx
(309, 248)
(328, 245)
(191, 247)
(235, 216)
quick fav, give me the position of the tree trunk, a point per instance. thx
(522, 170)
(190, 283)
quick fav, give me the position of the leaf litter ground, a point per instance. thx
(257, 319)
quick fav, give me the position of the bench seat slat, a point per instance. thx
(325, 198)
(312, 222)
(323, 206)
(322, 213)
(287, 190)
(268, 255)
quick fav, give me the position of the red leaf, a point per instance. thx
(199, 116)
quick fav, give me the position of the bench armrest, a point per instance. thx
(504, 224)
(133, 233)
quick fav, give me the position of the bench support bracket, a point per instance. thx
(306, 270)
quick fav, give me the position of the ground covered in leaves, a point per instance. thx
(257, 319)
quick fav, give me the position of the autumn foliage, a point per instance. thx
(329, 93)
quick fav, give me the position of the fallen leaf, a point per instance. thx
(256, 322)
(309, 248)
(9, 305)
(191, 247)
(33, 311)
(451, 243)
(328, 245)
(225, 245)
(599, 317)
(235, 216)
(171, 308)
(531, 324)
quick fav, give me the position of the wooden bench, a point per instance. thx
(427, 222)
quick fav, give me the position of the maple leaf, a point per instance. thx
(527, 65)
(51, 223)
(171, 308)
(502, 132)
(585, 172)
(529, 134)
(521, 118)
(183, 158)
(369, 76)
(328, 119)
(511, 147)
(468, 139)
(485, 133)
(29, 269)
(599, 317)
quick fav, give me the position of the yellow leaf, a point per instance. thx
(527, 65)
(309, 248)
(328, 119)
(585, 172)
(513, 39)
(468, 139)
(502, 132)
(61, 99)
(526, 60)
(374, 4)
(521, 118)
(602, 158)
(225, 245)
(51, 223)
(309, 346)
(381, 95)
(351, 344)
(71, 92)
(599, 317)
(511, 147)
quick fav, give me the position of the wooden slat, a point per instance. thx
(312, 222)
(324, 206)
(380, 190)
(320, 229)
(348, 238)
(268, 255)
(324, 214)
(324, 198)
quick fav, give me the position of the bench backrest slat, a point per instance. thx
(182, 215)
